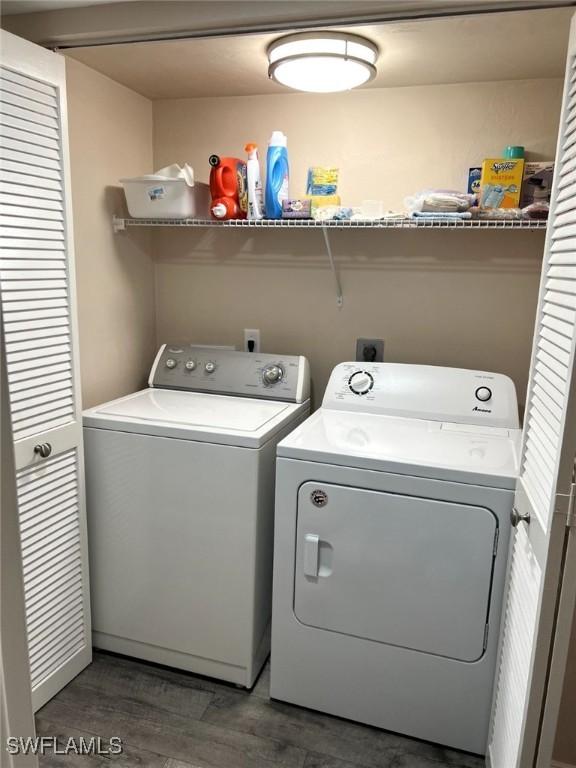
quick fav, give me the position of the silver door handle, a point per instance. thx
(311, 543)
(43, 449)
(516, 517)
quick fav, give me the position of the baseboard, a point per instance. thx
(556, 764)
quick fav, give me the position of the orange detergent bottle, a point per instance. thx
(228, 188)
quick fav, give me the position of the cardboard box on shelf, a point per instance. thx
(537, 183)
(501, 182)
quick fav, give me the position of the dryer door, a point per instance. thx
(401, 570)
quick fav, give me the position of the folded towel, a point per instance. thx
(440, 201)
(450, 215)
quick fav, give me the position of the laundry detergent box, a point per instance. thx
(501, 182)
(537, 183)
(474, 176)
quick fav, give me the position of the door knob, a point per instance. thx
(43, 449)
(516, 517)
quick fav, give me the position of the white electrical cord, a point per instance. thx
(339, 297)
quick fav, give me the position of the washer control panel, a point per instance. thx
(225, 372)
(427, 392)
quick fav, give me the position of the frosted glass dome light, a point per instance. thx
(322, 62)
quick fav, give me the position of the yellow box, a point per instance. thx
(501, 182)
(320, 201)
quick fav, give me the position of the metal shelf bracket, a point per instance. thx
(118, 224)
(339, 296)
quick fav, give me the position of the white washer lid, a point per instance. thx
(192, 415)
(463, 453)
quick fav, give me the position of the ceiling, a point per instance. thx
(11, 7)
(505, 46)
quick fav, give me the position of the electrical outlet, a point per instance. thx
(370, 350)
(251, 340)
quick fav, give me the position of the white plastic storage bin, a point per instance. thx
(150, 197)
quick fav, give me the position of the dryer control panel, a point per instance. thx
(429, 392)
(225, 372)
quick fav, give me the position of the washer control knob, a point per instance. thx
(483, 394)
(272, 374)
(210, 367)
(190, 365)
(361, 382)
(171, 363)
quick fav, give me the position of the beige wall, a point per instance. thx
(457, 298)
(388, 143)
(110, 137)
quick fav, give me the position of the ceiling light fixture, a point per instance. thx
(322, 62)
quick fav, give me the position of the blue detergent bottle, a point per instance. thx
(277, 175)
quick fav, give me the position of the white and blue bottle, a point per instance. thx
(277, 174)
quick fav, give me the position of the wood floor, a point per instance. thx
(168, 719)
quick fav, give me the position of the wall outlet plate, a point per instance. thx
(370, 350)
(251, 340)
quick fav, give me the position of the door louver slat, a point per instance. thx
(568, 315)
(30, 116)
(67, 596)
(9, 133)
(23, 210)
(11, 86)
(33, 169)
(32, 160)
(24, 102)
(47, 571)
(46, 514)
(20, 192)
(562, 329)
(551, 377)
(24, 379)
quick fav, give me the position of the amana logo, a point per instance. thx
(482, 410)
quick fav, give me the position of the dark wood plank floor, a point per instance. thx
(168, 719)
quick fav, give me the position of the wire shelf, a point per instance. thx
(404, 223)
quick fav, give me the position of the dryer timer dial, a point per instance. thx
(361, 382)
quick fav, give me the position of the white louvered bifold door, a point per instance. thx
(38, 311)
(545, 486)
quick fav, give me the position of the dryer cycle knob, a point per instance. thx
(171, 363)
(272, 374)
(210, 367)
(361, 382)
(483, 394)
(190, 365)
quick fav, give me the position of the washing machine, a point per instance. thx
(180, 508)
(392, 524)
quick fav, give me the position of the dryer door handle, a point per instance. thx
(311, 543)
